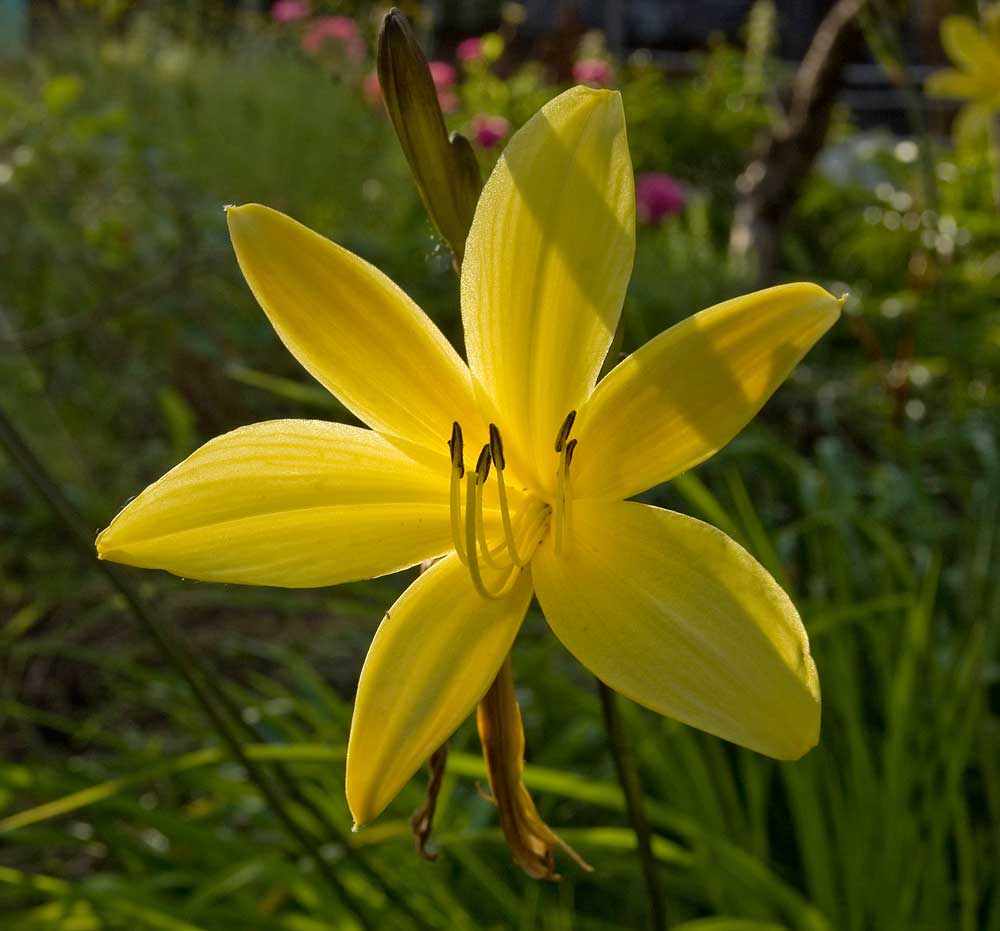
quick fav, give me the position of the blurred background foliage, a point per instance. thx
(870, 486)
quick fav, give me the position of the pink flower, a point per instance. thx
(657, 195)
(593, 71)
(443, 75)
(447, 100)
(469, 50)
(339, 31)
(287, 11)
(371, 89)
(488, 130)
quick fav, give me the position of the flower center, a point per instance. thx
(522, 532)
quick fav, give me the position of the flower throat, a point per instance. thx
(521, 534)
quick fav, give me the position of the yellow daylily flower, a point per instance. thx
(975, 53)
(665, 609)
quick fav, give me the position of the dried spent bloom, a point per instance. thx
(593, 71)
(489, 130)
(512, 470)
(657, 195)
(338, 32)
(288, 11)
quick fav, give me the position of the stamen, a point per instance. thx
(496, 450)
(564, 500)
(570, 449)
(484, 546)
(567, 495)
(564, 430)
(457, 471)
(471, 491)
(483, 464)
(456, 446)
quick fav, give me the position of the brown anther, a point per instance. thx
(496, 448)
(564, 430)
(570, 447)
(483, 464)
(457, 449)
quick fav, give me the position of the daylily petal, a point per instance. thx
(952, 83)
(292, 503)
(676, 616)
(546, 265)
(690, 390)
(966, 45)
(433, 658)
(354, 330)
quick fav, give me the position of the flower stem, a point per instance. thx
(628, 777)
(217, 706)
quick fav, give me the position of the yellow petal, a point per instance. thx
(292, 503)
(966, 45)
(676, 616)
(356, 332)
(951, 83)
(690, 390)
(434, 656)
(546, 265)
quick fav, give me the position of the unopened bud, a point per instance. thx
(444, 168)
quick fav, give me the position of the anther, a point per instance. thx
(456, 447)
(496, 448)
(570, 448)
(564, 500)
(564, 430)
(457, 471)
(483, 464)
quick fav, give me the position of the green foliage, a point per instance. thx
(870, 486)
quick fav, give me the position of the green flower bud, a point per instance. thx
(444, 168)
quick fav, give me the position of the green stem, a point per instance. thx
(217, 706)
(628, 777)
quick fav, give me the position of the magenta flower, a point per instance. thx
(444, 77)
(371, 89)
(339, 31)
(657, 195)
(469, 50)
(594, 71)
(287, 11)
(489, 129)
(443, 74)
(447, 100)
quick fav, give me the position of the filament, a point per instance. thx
(456, 515)
(499, 460)
(564, 500)
(456, 448)
(508, 532)
(481, 529)
(471, 491)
